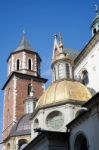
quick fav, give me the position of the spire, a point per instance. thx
(32, 89)
(61, 42)
(24, 44)
(56, 49)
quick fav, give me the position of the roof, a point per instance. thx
(72, 54)
(24, 44)
(22, 127)
(63, 91)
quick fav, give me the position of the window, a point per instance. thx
(29, 64)
(81, 143)
(29, 89)
(8, 146)
(60, 71)
(29, 107)
(18, 64)
(22, 143)
(67, 71)
(55, 120)
(85, 79)
(36, 123)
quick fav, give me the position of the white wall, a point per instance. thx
(68, 111)
(91, 64)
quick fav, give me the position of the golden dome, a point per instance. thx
(64, 91)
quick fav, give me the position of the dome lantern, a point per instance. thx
(61, 62)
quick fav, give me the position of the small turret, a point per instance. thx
(95, 23)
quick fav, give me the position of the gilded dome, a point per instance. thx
(64, 91)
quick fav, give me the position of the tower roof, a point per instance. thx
(24, 43)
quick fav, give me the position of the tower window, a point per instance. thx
(60, 71)
(29, 64)
(29, 89)
(18, 64)
(85, 79)
(67, 71)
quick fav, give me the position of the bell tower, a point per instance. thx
(23, 66)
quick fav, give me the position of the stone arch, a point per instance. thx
(55, 120)
(84, 77)
(36, 123)
(22, 143)
(81, 142)
(8, 146)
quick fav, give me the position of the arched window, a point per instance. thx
(29, 89)
(55, 120)
(81, 143)
(22, 143)
(29, 107)
(29, 64)
(8, 146)
(18, 64)
(36, 123)
(60, 71)
(67, 71)
(85, 79)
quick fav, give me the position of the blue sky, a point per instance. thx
(41, 19)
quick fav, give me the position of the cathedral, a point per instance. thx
(64, 116)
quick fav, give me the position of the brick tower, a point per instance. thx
(23, 66)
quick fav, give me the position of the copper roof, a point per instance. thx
(22, 127)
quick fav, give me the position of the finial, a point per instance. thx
(97, 11)
(32, 90)
(60, 40)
